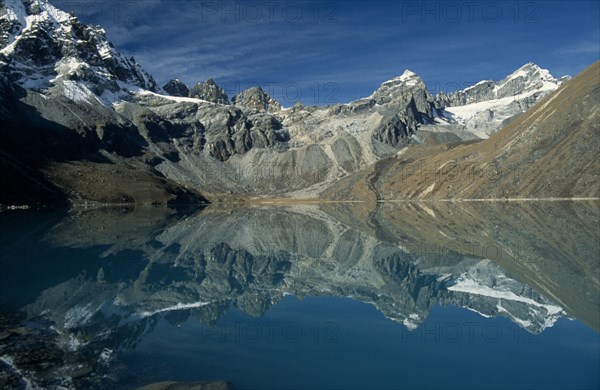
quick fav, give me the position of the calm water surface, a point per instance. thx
(433, 296)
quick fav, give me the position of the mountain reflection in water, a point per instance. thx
(85, 291)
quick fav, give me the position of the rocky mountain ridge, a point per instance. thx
(209, 91)
(74, 81)
(485, 107)
(46, 49)
(549, 152)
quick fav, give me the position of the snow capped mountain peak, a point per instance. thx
(402, 85)
(407, 74)
(529, 68)
(525, 81)
(506, 297)
(530, 72)
(41, 8)
(407, 77)
(41, 47)
(26, 15)
(483, 108)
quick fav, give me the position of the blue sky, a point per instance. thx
(338, 51)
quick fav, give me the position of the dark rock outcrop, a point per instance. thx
(255, 99)
(209, 91)
(176, 88)
(394, 130)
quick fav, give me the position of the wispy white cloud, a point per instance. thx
(580, 48)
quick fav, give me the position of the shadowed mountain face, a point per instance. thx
(495, 259)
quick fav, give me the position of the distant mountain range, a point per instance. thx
(551, 151)
(82, 123)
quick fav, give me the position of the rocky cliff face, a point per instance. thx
(255, 99)
(176, 88)
(209, 91)
(43, 48)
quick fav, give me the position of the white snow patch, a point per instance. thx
(541, 315)
(74, 343)
(15, 11)
(55, 14)
(470, 286)
(477, 311)
(470, 110)
(411, 322)
(105, 51)
(105, 356)
(475, 85)
(68, 66)
(179, 306)
(77, 92)
(77, 316)
(174, 98)
(410, 325)
(109, 98)
(408, 78)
